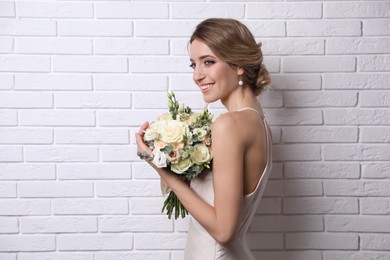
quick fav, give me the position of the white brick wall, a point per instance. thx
(77, 78)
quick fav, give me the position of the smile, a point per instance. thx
(205, 87)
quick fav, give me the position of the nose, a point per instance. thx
(198, 74)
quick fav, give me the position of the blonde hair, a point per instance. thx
(232, 42)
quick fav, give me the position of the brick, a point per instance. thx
(90, 206)
(22, 63)
(321, 170)
(146, 206)
(302, 188)
(296, 82)
(266, 241)
(160, 100)
(356, 188)
(38, 81)
(127, 118)
(24, 207)
(7, 9)
(376, 170)
(375, 242)
(291, 255)
(26, 136)
(357, 223)
(55, 189)
(267, 28)
(355, 116)
(147, 255)
(358, 255)
(55, 256)
(7, 190)
(92, 100)
(8, 225)
(119, 153)
(269, 206)
(320, 134)
(26, 100)
(206, 10)
(323, 28)
(320, 206)
(27, 171)
(320, 98)
(375, 134)
(93, 171)
(92, 136)
(358, 46)
(375, 99)
(274, 188)
(7, 81)
(6, 44)
(164, 28)
(351, 152)
(322, 241)
(356, 81)
(16, 243)
(287, 223)
(294, 152)
(276, 171)
(53, 46)
(132, 10)
(95, 242)
(128, 189)
(159, 241)
(373, 63)
(284, 10)
(375, 206)
(95, 28)
(292, 46)
(131, 82)
(294, 116)
(376, 27)
(183, 82)
(89, 64)
(28, 27)
(357, 10)
(159, 64)
(56, 118)
(61, 154)
(271, 99)
(47, 225)
(11, 153)
(136, 224)
(55, 10)
(131, 46)
(179, 46)
(318, 64)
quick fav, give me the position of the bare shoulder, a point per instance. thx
(227, 126)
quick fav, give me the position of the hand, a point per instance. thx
(142, 148)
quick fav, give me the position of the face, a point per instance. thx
(215, 78)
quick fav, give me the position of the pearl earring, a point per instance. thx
(240, 82)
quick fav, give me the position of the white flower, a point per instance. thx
(151, 132)
(172, 131)
(182, 166)
(200, 154)
(200, 132)
(159, 159)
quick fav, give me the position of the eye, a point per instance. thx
(192, 65)
(209, 62)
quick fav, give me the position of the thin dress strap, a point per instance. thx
(246, 108)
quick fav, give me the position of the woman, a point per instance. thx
(227, 66)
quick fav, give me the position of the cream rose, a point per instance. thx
(159, 159)
(200, 154)
(172, 131)
(200, 132)
(151, 132)
(182, 166)
(164, 116)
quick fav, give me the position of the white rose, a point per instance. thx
(151, 132)
(159, 159)
(182, 166)
(200, 132)
(200, 154)
(172, 131)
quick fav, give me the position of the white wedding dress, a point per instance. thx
(200, 244)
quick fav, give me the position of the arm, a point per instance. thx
(221, 220)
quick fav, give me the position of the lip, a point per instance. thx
(206, 89)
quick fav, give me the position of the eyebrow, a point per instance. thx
(203, 57)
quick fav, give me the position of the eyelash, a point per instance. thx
(207, 62)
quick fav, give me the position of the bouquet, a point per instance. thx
(181, 142)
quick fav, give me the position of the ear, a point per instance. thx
(240, 70)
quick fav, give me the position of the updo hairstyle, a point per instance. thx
(232, 42)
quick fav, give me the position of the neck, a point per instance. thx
(240, 98)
